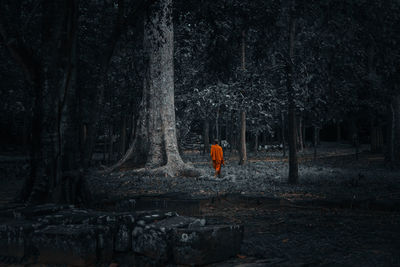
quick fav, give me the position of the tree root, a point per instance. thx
(172, 170)
(168, 170)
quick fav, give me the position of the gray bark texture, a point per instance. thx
(206, 136)
(55, 170)
(292, 132)
(155, 146)
(242, 144)
(242, 149)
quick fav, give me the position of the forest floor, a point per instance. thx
(343, 212)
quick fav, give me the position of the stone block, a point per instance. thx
(174, 222)
(67, 244)
(14, 241)
(204, 245)
(41, 210)
(123, 239)
(152, 243)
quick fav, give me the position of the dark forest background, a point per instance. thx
(257, 72)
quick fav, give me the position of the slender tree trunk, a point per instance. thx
(242, 150)
(315, 141)
(338, 132)
(394, 146)
(232, 133)
(264, 139)
(206, 137)
(217, 124)
(304, 136)
(123, 136)
(104, 148)
(355, 137)
(300, 130)
(391, 134)
(255, 148)
(111, 144)
(227, 127)
(283, 134)
(293, 164)
(376, 137)
(36, 140)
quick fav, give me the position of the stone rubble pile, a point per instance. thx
(64, 234)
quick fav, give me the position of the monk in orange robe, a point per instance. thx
(217, 157)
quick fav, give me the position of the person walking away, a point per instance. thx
(217, 157)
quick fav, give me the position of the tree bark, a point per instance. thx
(206, 137)
(242, 150)
(315, 141)
(110, 144)
(338, 132)
(217, 132)
(54, 171)
(264, 139)
(60, 178)
(123, 136)
(155, 146)
(293, 164)
(283, 134)
(255, 147)
(300, 130)
(376, 138)
(355, 137)
(120, 26)
(394, 141)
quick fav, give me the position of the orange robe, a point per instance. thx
(217, 157)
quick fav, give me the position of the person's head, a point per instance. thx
(216, 141)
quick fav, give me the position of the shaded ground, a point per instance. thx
(344, 212)
(313, 236)
(335, 175)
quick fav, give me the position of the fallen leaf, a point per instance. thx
(241, 256)
(285, 240)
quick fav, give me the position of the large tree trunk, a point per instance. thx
(155, 146)
(121, 24)
(54, 174)
(60, 178)
(293, 164)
